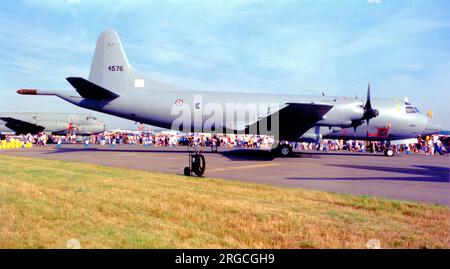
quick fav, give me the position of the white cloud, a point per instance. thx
(374, 1)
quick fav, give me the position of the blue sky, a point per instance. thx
(298, 47)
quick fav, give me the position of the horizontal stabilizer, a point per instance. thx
(90, 90)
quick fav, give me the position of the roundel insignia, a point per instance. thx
(178, 102)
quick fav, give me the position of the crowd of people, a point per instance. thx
(172, 139)
(429, 145)
(40, 139)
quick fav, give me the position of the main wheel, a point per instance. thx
(389, 152)
(285, 150)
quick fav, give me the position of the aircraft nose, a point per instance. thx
(432, 127)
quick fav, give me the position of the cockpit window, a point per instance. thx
(416, 110)
(91, 118)
(410, 109)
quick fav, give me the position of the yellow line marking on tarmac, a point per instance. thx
(251, 166)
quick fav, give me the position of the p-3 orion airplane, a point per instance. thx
(50, 123)
(115, 88)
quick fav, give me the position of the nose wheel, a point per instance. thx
(389, 152)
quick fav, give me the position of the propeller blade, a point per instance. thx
(367, 134)
(368, 105)
(368, 113)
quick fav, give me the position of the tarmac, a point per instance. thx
(415, 177)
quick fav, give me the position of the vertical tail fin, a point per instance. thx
(110, 68)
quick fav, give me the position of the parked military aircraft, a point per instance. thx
(52, 123)
(115, 88)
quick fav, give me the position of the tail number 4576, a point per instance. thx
(115, 68)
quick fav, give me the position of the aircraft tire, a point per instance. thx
(284, 150)
(389, 152)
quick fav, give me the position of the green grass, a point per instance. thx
(45, 203)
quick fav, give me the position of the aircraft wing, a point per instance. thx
(90, 90)
(294, 119)
(20, 126)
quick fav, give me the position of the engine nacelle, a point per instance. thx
(343, 115)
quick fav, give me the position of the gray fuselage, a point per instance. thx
(155, 107)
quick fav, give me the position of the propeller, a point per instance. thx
(368, 113)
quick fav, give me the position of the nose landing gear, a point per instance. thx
(389, 152)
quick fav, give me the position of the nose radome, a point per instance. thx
(432, 127)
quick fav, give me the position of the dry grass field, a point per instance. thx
(45, 203)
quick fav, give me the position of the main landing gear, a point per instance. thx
(283, 150)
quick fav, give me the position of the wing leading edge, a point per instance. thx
(294, 119)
